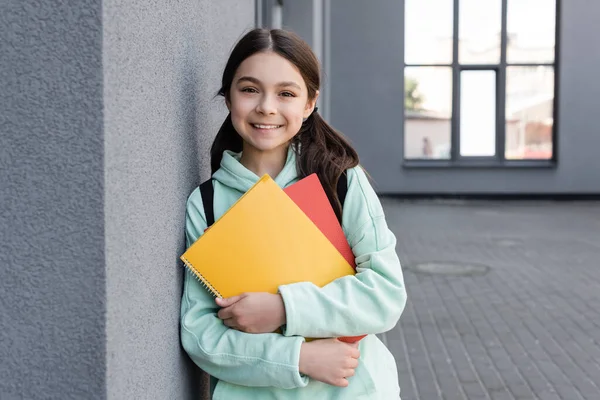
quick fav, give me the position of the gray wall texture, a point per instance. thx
(106, 118)
(298, 16)
(162, 68)
(366, 102)
(52, 261)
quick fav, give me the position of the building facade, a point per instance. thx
(509, 110)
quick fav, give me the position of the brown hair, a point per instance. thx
(320, 148)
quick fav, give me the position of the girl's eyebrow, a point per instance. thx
(281, 84)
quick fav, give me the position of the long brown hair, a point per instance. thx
(320, 148)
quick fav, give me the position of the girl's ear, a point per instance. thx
(228, 104)
(310, 105)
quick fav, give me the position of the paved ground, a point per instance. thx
(527, 329)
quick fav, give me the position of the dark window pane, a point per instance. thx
(428, 111)
(428, 28)
(479, 31)
(477, 113)
(531, 28)
(529, 112)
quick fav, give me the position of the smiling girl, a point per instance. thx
(271, 85)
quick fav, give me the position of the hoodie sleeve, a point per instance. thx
(227, 354)
(370, 301)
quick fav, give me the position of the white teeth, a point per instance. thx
(266, 126)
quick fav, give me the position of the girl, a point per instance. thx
(270, 85)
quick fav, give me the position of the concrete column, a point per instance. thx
(52, 243)
(107, 117)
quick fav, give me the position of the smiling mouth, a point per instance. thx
(261, 126)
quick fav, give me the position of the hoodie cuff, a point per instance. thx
(289, 329)
(299, 379)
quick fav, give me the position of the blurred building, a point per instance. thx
(460, 97)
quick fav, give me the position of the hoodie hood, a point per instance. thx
(234, 175)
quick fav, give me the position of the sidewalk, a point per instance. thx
(529, 328)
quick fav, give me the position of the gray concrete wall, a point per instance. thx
(366, 103)
(163, 65)
(52, 276)
(106, 118)
(307, 19)
(299, 16)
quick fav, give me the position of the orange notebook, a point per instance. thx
(309, 195)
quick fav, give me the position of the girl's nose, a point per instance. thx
(267, 105)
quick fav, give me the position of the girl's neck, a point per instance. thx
(261, 162)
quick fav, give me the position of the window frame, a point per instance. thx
(499, 159)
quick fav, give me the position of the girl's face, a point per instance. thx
(268, 102)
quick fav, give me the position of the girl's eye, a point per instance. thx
(249, 90)
(288, 94)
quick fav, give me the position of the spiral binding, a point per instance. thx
(201, 279)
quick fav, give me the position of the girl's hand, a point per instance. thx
(329, 361)
(253, 312)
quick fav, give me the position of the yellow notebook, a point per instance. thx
(263, 241)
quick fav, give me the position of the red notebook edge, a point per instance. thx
(310, 197)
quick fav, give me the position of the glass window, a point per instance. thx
(529, 112)
(531, 31)
(478, 113)
(427, 34)
(480, 77)
(480, 24)
(427, 112)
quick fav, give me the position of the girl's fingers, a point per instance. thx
(228, 301)
(224, 313)
(348, 373)
(353, 363)
(343, 382)
(229, 322)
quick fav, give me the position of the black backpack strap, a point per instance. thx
(207, 192)
(342, 188)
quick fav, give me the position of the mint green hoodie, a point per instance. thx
(265, 366)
